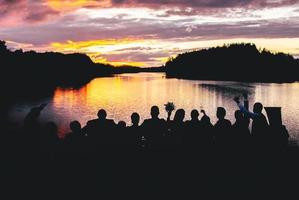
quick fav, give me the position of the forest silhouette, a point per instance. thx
(33, 75)
(237, 62)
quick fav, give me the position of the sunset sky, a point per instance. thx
(147, 32)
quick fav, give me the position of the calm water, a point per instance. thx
(123, 94)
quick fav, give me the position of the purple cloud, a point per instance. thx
(68, 28)
(203, 3)
(15, 12)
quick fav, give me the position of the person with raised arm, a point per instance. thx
(33, 128)
(260, 124)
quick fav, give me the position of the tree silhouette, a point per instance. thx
(240, 61)
(32, 74)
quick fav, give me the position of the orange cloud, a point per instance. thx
(94, 48)
(68, 5)
(91, 44)
(129, 63)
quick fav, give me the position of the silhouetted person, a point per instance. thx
(154, 128)
(136, 136)
(246, 105)
(207, 127)
(179, 116)
(205, 119)
(32, 128)
(120, 135)
(50, 140)
(100, 131)
(194, 116)
(278, 134)
(222, 128)
(31, 123)
(241, 133)
(193, 135)
(75, 141)
(121, 124)
(260, 125)
(177, 127)
(135, 118)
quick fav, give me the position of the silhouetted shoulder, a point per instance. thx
(146, 121)
(162, 120)
(110, 121)
(227, 122)
(90, 122)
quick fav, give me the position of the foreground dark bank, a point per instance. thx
(236, 62)
(156, 159)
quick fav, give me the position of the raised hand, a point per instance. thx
(169, 107)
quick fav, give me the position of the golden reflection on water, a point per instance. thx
(123, 94)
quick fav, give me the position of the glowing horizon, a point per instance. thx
(134, 32)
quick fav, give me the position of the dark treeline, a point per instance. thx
(133, 69)
(238, 62)
(32, 74)
(23, 71)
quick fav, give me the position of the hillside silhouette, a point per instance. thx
(239, 62)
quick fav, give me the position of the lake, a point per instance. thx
(123, 94)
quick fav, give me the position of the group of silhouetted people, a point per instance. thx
(158, 133)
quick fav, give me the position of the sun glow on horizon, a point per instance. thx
(110, 51)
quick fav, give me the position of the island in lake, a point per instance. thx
(237, 62)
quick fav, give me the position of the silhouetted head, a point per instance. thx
(135, 118)
(238, 115)
(51, 128)
(179, 115)
(121, 124)
(102, 114)
(205, 120)
(75, 126)
(257, 107)
(221, 112)
(194, 114)
(155, 111)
